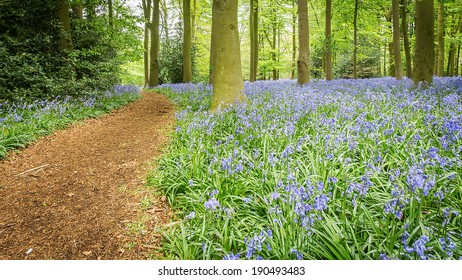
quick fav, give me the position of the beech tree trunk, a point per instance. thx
(328, 47)
(253, 40)
(303, 62)
(440, 62)
(65, 39)
(228, 86)
(355, 40)
(165, 28)
(154, 53)
(147, 14)
(396, 41)
(424, 45)
(294, 43)
(407, 48)
(187, 42)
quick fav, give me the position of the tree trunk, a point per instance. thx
(328, 40)
(452, 49)
(424, 45)
(391, 70)
(355, 40)
(274, 50)
(187, 42)
(111, 14)
(65, 39)
(228, 85)
(294, 43)
(147, 13)
(193, 21)
(440, 62)
(407, 48)
(165, 28)
(153, 60)
(456, 71)
(396, 41)
(303, 62)
(253, 40)
(77, 10)
(457, 67)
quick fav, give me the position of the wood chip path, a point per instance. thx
(76, 194)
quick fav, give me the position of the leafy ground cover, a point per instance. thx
(23, 121)
(366, 169)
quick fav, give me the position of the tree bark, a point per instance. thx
(147, 14)
(274, 49)
(440, 62)
(154, 53)
(111, 14)
(294, 43)
(228, 85)
(77, 10)
(253, 40)
(65, 39)
(303, 62)
(187, 42)
(391, 70)
(328, 44)
(396, 41)
(453, 48)
(355, 40)
(424, 45)
(165, 28)
(407, 48)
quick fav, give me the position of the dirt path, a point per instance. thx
(71, 195)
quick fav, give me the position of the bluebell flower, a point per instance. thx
(384, 257)
(191, 215)
(212, 204)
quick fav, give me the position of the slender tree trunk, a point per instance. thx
(65, 39)
(274, 49)
(165, 28)
(77, 10)
(391, 70)
(187, 42)
(424, 45)
(452, 50)
(328, 40)
(228, 85)
(153, 61)
(457, 66)
(111, 14)
(440, 62)
(294, 43)
(278, 58)
(147, 13)
(355, 40)
(193, 21)
(407, 48)
(303, 62)
(385, 59)
(396, 41)
(253, 40)
(456, 71)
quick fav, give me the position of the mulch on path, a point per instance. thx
(72, 195)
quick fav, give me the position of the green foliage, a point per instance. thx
(171, 60)
(34, 67)
(345, 169)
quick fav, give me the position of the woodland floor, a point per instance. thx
(76, 194)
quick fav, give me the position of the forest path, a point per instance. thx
(76, 193)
